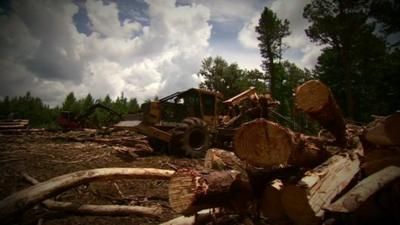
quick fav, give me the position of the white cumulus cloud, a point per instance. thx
(44, 53)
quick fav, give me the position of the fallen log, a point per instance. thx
(384, 130)
(363, 190)
(98, 210)
(264, 143)
(191, 191)
(305, 201)
(27, 198)
(316, 99)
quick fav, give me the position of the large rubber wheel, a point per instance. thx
(192, 138)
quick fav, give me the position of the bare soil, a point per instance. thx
(44, 155)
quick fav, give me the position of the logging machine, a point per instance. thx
(189, 122)
(70, 121)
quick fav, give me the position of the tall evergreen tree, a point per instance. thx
(354, 62)
(271, 30)
(340, 25)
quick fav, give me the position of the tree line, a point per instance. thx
(41, 115)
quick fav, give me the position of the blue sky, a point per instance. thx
(140, 47)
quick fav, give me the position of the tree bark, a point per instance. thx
(305, 201)
(24, 199)
(265, 144)
(191, 190)
(316, 99)
(384, 131)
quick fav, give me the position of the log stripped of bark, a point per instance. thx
(384, 130)
(190, 190)
(363, 190)
(264, 143)
(99, 210)
(24, 199)
(304, 202)
(316, 99)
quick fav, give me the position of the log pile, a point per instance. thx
(13, 124)
(292, 178)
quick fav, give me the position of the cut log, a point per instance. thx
(24, 199)
(98, 210)
(316, 99)
(271, 201)
(265, 144)
(304, 202)
(219, 159)
(384, 130)
(190, 190)
(363, 190)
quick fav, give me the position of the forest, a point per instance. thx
(360, 61)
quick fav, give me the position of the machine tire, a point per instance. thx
(192, 138)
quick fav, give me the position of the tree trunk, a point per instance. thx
(305, 201)
(384, 131)
(24, 199)
(316, 99)
(191, 190)
(265, 144)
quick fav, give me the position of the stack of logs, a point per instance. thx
(289, 177)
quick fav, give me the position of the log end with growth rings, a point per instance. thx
(183, 188)
(263, 143)
(312, 96)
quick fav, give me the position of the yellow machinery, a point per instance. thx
(189, 121)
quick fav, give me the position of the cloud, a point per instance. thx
(43, 52)
(297, 41)
(247, 35)
(223, 11)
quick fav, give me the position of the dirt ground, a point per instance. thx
(44, 156)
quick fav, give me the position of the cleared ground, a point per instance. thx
(46, 155)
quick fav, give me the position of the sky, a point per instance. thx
(142, 48)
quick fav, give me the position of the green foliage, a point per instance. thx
(41, 115)
(358, 62)
(228, 79)
(28, 107)
(271, 30)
